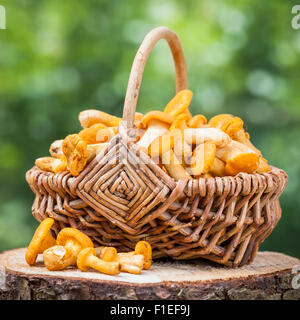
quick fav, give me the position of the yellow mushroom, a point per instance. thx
(182, 149)
(92, 149)
(156, 124)
(52, 164)
(218, 168)
(227, 123)
(160, 145)
(75, 150)
(262, 166)
(106, 253)
(144, 248)
(203, 158)
(87, 259)
(173, 166)
(180, 103)
(70, 242)
(197, 121)
(41, 240)
(89, 117)
(89, 135)
(201, 135)
(56, 149)
(243, 137)
(130, 262)
(238, 158)
(233, 126)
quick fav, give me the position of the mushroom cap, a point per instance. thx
(244, 162)
(57, 258)
(144, 248)
(82, 257)
(180, 103)
(180, 122)
(75, 235)
(227, 123)
(155, 115)
(41, 233)
(197, 121)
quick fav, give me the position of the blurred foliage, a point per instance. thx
(60, 57)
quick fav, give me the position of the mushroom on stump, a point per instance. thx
(106, 253)
(41, 240)
(87, 259)
(69, 242)
(144, 248)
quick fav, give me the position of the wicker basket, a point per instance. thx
(122, 196)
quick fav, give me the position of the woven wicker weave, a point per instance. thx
(122, 196)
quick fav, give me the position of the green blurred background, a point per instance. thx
(58, 57)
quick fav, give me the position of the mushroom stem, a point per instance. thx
(218, 168)
(173, 166)
(87, 259)
(51, 164)
(203, 158)
(89, 117)
(201, 135)
(129, 258)
(161, 145)
(103, 266)
(155, 129)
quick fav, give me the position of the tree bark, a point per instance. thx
(271, 276)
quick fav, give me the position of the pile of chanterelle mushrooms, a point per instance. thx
(183, 145)
(74, 248)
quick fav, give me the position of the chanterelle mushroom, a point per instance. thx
(52, 164)
(87, 259)
(41, 240)
(234, 127)
(75, 150)
(201, 135)
(238, 158)
(182, 149)
(131, 263)
(180, 104)
(89, 117)
(70, 242)
(156, 124)
(203, 158)
(106, 253)
(144, 248)
(92, 150)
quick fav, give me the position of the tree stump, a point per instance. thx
(270, 276)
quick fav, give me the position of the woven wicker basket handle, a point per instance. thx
(136, 74)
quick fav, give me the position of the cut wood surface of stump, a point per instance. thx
(270, 276)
